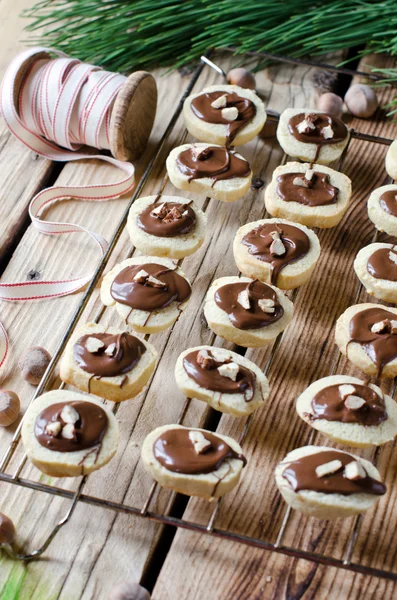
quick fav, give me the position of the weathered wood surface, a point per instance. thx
(98, 548)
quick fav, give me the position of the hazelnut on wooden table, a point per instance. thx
(9, 407)
(361, 100)
(33, 364)
(241, 77)
(7, 530)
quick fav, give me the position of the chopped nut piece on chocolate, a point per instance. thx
(156, 283)
(93, 345)
(327, 132)
(346, 390)
(300, 182)
(354, 402)
(110, 350)
(328, 468)
(393, 325)
(205, 360)
(244, 300)
(230, 114)
(219, 102)
(229, 370)
(381, 327)
(53, 428)
(393, 257)
(200, 443)
(354, 470)
(277, 247)
(68, 432)
(306, 125)
(160, 211)
(141, 276)
(69, 414)
(220, 355)
(309, 174)
(173, 215)
(185, 213)
(267, 305)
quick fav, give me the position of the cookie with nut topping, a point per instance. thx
(214, 171)
(276, 251)
(376, 267)
(224, 115)
(349, 411)
(67, 434)
(148, 292)
(382, 208)
(107, 362)
(166, 226)
(193, 461)
(311, 195)
(367, 335)
(223, 379)
(312, 135)
(328, 484)
(246, 312)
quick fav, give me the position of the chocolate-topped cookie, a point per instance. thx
(312, 195)
(349, 411)
(312, 135)
(382, 208)
(276, 251)
(193, 461)
(166, 226)
(217, 171)
(245, 311)
(328, 484)
(376, 267)
(108, 362)
(224, 114)
(67, 434)
(225, 380)
(148, 292)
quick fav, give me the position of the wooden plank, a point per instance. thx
(306, 353)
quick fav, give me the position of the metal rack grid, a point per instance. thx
(166, 519)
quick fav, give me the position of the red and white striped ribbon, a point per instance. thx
(62, 104)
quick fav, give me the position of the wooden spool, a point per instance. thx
(133, 112)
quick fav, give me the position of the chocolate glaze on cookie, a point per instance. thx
(259, 240)
(318, 191)
(301, 475)
(314, 135)
(388, 202)
(201, 107)
(381, 347)
(119, 354)
(207, 375)
(380, 265)
(328, 404)
(214, 162)
(253, 318)
(167, 219)
(175, 451)
(88, 430)
(142, 294)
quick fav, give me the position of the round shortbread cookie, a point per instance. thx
(63, 463)
(294, 274)
(143, 321)
(219, 321)
(227, 190)
(382, 288)
(206, 485)
(352, 434)
(177, 246)
(119, 387)
(355, 351)
(303, 150)
(391, 160)
(238, 403)
(322, 216)
(324, 505)
(217, 133)
(381, 218)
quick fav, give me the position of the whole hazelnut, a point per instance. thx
(7, 530)
(33, 364)
(129, 590)
(361, 100)
(9, 407)
(241, 77)
(331, 104)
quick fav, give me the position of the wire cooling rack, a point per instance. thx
(144, 511)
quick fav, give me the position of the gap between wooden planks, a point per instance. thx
(196, 563)
(77, 569)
